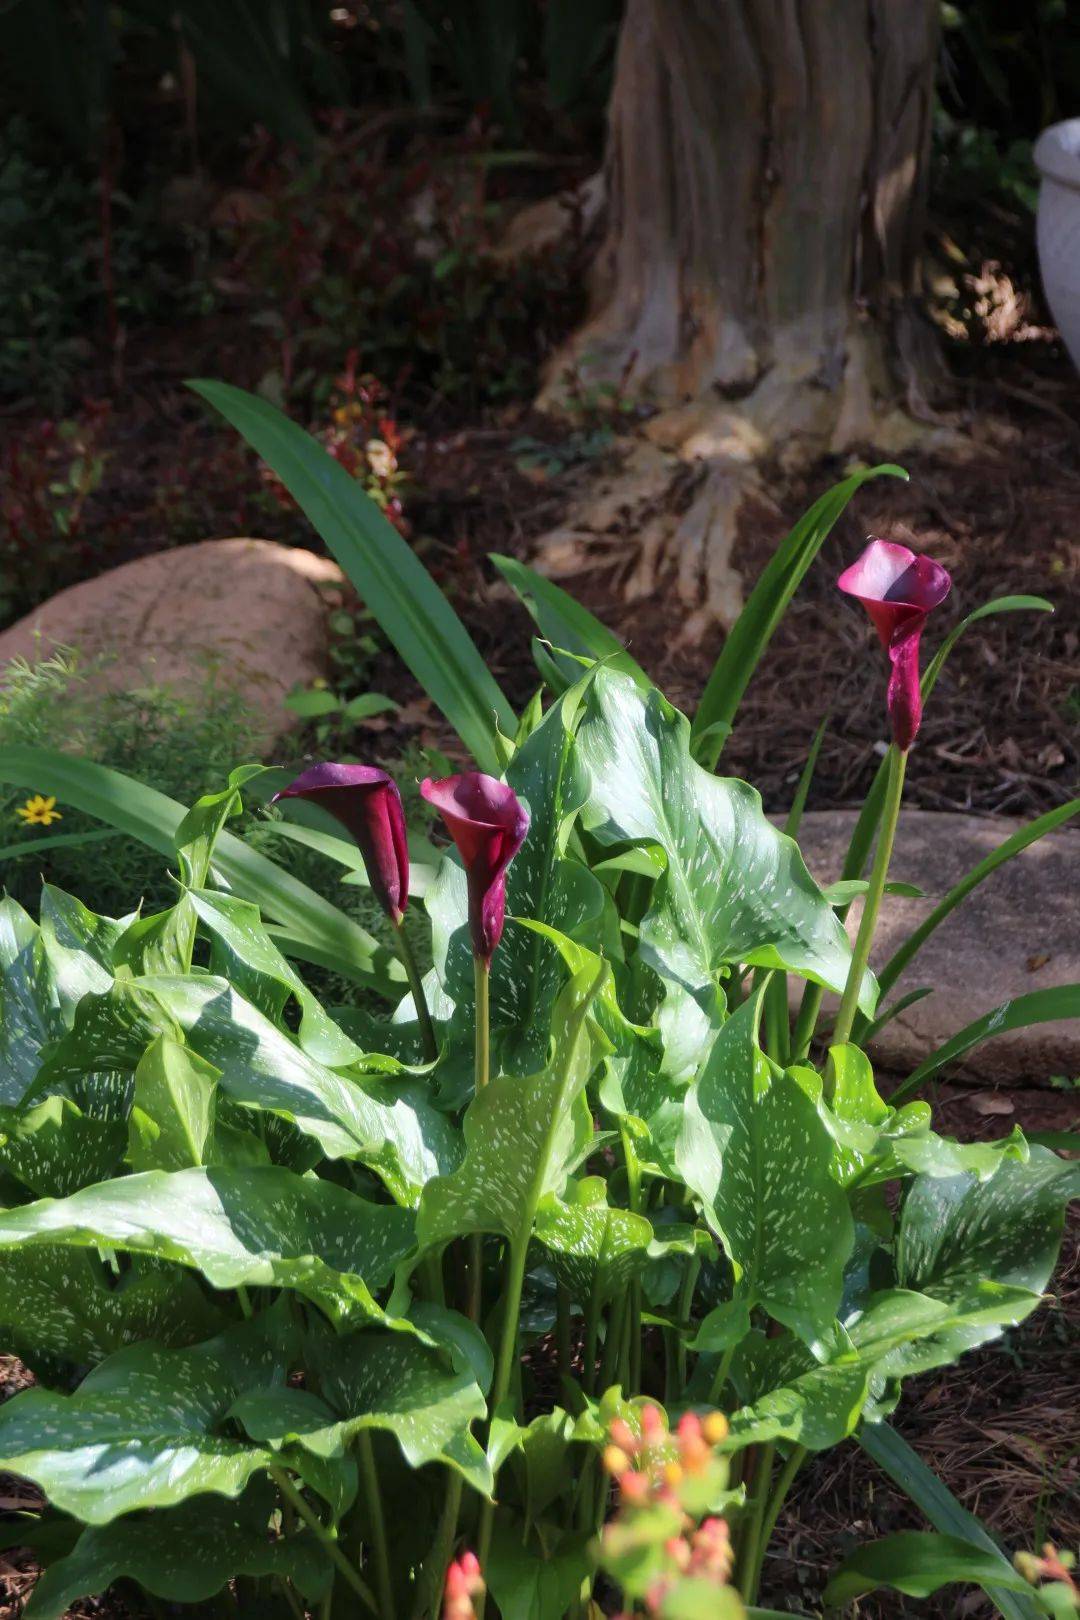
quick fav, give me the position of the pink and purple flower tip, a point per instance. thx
(899, 588)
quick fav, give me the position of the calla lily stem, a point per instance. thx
(412, 973)
(890, 815)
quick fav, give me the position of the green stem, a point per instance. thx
(482, 1037)
(504, 1366)
(720, 1378)
(405, 951)
(890, 814)
(748, 1550)
(383, 1584)
(324, 1536)
(686, 1303)
(433, 1573)
(768, 1524)
(563, 1346)
(806, 1022)
(482, 985)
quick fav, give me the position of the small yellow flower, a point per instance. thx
(39, 811)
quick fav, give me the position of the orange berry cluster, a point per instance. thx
(463, 1583)
(649, 1470)
(650, 1467)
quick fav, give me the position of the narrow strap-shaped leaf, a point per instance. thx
(767, 604)
(565, 622)
(397, 588)
(929, 1493)
(153, 818)
(1005, 851)
(917, 1563)
(1039, 1007)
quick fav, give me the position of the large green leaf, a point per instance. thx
(385, 570)
(918, 1563)
(596, 1248)
(156, 1550)
(907, 1469)
(542, 885)
(148, 1427)
(755, 1151)
(1037, 1007)
(734, 890)
(427, 1399)
(535, 1576)
(243, 952)
(172, 1109)
(153, 818)
(521, 1136)
(29, 1004)
(767, 604)
(392, 1127)
(239, 1227)
(64, 1305)
(956, 1231)
(55, 1148)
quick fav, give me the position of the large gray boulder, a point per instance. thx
(256, 609)
(1017, 932)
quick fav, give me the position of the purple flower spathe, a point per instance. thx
(367, 803)
(488, 823)
(898, 588)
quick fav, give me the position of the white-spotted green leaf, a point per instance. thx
(29, 1004)
(148, 1427)
(424, 1396)
(735, 890)
(79, 946)
(263, 1227)
(54, 1148)
(957, 1231)
(754, 1150)
(390, 1126)
(243, 952)
(521, 1136)
(596, 1248)
(155, 1550)
(61, 1305)
(171, 1125)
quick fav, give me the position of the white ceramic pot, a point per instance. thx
(1057, 158)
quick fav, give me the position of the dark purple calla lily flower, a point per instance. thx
(898, 588)
(367, 803)
(488, 823)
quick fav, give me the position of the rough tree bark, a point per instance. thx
(766, 174)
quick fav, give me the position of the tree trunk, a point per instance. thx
(766, 176)
(766, 182)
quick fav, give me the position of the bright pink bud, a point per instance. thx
(898, 588)
(463, 1582)
(367, 803)
(488, 824)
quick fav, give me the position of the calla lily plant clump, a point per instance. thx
(525, 1283)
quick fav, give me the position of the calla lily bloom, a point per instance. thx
(488, 823)
(898, 588)
(367, 803)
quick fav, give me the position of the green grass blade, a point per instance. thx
(929, 1493)
(153, 818)
(564, 622)
(32, 846)
(393, 582)
(766, 606)
(1004, 852)
(1038, 1007)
